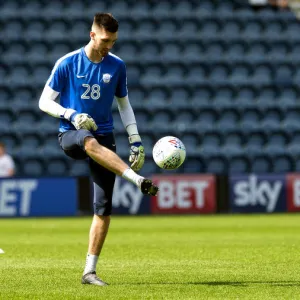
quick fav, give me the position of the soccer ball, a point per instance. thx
(169, 153)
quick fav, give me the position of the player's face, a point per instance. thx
(103, 40)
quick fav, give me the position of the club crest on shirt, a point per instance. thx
(106, 78)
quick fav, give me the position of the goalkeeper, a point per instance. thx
(87, 81)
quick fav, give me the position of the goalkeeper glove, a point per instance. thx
(137, 153)
(80, 120)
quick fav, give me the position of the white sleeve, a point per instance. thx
(127, 115)
(47, 103)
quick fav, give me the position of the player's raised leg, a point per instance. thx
(111, 161)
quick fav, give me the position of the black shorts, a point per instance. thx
(72, 142)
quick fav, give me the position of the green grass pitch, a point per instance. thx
(170, 257)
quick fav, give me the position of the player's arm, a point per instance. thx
(48, 104)
(137, 153)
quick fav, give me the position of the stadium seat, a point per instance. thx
(260, 164)
(193, 165)
(206, 119)
(282, 163)
(188, 30)
(79, 168)
(238, 164)
(216, 165)
(255, 143)
(32, 167)
(57, 166)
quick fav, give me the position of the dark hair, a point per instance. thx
(2, 145)
(107, 21)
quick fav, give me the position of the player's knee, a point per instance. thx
(89, 143)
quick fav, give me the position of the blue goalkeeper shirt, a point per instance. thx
(89, 87)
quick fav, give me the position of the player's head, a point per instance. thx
(104, 32)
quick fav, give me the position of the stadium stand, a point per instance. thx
(220, 75)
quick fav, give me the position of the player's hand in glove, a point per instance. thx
(137, 153)
(81, 120)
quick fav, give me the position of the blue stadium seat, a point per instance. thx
(192, 144)
(209, 29)
(187, 30)
(171, 52)
(11, 141)
(252, 30)
(240, 74)
(33, 167)
(48, 125)
(245, 97)
(260, 164)
(141, 9)
(57, 166)
(75, 9)
(184, 121)
(224, 97)
(235, 51)
(35, 31)
(216, 165)
(266, 96)
(79, 168)
(174, 75)
(58, 50)
(122, 144)
(256, 51)
(287, 97)
(162, 121)
(238, 164)
(148, 52)
(193, 165)
(37, 52)
(292, 121)
(180, 98)
(262, 74)
(255, 143)
(214, 50)
(152, 76)
(157, 98)
(146, 29)
(161, 8)
(57, 30)
(206, 119)
(13, 29)
(51, 147)
(53, 9)
(231, 29)
(278, 51)
(196, 74)
(19, 75)
(133, 75)
(284, 75)
(165, 28)
(211, 144)
(282, 163)
(183, 8)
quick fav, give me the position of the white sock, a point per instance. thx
(133, 177)
(90, 264)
